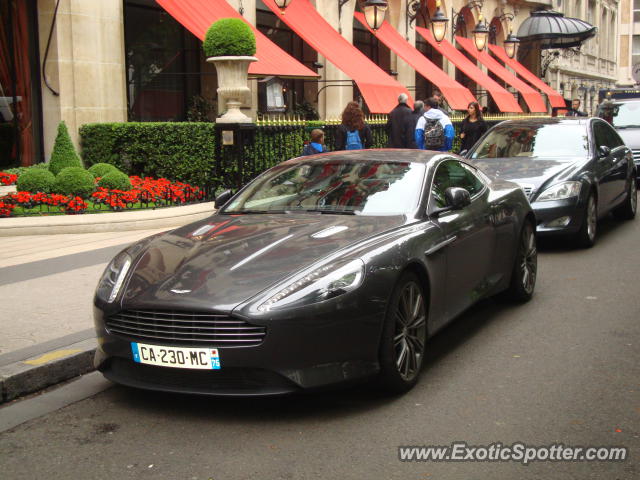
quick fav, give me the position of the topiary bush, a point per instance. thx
(64, 153)
(229, 37)
(115, 180)
(99, 170)
(74, 181)
(35, 180)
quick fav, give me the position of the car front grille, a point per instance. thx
(199, 329)
(636, 156)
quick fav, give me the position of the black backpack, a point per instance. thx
(433, 134)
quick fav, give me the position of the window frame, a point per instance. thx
(431, 206)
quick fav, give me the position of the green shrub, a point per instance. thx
(64, 153)
(35, 180)
(229, 37)
(178, 151)
(74, 181)
(115, 180)
(99, 170)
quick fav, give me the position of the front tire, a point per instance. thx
(404, 335)
(586, 236)
(627, 211)
(525, 266)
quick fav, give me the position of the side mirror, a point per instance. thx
(603, 151)
(223, 198)
(457, 198)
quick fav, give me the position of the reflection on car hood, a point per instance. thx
(532, 171)
(225, 260)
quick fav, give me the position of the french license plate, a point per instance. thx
(176, 357)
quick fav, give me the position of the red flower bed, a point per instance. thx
(8, 178)
(145, 191)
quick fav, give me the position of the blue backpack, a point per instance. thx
(353, 141)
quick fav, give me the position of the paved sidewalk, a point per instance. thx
(55, 275)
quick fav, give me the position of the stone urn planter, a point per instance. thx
(232, 86)
(230, 45)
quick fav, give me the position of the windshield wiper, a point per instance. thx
(328, 212)
(252, 212)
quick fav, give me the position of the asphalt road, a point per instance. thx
(563, 368)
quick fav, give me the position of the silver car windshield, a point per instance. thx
(623, 115)
(548, 140)
(334, 187)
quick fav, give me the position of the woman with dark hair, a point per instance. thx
(353, 133)
(473, 126)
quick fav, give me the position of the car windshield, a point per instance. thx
(547, 140)
(334, 187)
(621, 115)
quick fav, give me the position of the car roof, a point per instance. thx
(394, 155)
(532, 122)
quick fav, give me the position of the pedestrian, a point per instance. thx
(418, 110)
(575, 109)
(437, 94)
(434, 130)
(316, 145)
(400, 125)
(353, 133)
(473, 127)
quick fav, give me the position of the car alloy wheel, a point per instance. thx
(525, 266)
(529, 262)
(586, 236)
(408, 340)
(628, 209)
(402, 345)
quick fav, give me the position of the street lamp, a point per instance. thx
(374, 12)
(282, 5)
(439, 24)
(511, 44)
(480, 34)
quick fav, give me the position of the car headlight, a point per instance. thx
(323, 283)
(113, 277)
(560, 191)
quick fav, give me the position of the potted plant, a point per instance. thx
(230, 45)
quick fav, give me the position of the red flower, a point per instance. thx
(8, 178)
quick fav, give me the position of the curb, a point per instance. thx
(106, 222)
(35, 373)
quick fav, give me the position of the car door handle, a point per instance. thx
(441, 245)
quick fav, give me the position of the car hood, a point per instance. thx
(225, 260)
(532, 172)
(631, 137)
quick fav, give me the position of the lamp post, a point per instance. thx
(480, 34)
(282, 5)
(374, 12)
(439, 24)
(511, 45)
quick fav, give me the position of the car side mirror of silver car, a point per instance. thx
(603, 151)
(223, 198)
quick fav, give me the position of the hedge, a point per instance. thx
(64, 154)
(182, 151)
(74, 181)
(36, 180)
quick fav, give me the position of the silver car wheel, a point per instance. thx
(592, 218)
(633, 191)
(529, 266)
(410, 330)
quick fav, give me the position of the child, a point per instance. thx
(317, 143)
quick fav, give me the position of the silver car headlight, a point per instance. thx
(113, 277)
(323, 283)
(560, 191)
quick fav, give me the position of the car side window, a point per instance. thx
(599, 134)
(606, 135)
(452, 173)
(612, 136)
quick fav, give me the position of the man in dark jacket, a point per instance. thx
(575, 109)
(400, 125)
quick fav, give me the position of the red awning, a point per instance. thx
(458, 96)
(379, 90)
(198, 15)
(504, 100)
(555, 99)
(533, 99)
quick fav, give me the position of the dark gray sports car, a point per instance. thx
(325, 269)
(574, 171)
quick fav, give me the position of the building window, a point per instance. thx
(163, 64)
(635, 59)
(636, 11)
(20, 101)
